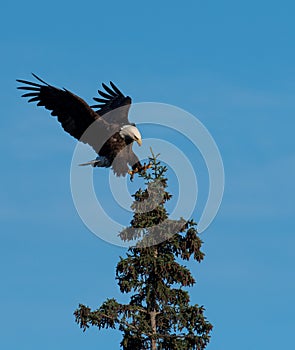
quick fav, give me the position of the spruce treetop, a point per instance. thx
(159, 314)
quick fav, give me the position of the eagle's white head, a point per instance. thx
(131, 132)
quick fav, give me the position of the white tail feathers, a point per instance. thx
(92, 163)
(98, 162)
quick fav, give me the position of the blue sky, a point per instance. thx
(229, 63)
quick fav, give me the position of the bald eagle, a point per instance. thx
(104, 126)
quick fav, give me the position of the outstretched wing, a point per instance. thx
(74, 114)
(114, 105)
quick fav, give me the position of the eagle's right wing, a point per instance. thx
(74, 114)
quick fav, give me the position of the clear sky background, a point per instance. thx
(230, 63)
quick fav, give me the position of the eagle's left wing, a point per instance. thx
(114, 106)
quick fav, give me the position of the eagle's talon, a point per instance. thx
(146, 167)
(131, 173)
(140, 170)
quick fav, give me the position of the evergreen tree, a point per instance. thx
(158, 315)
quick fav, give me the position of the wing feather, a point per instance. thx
(116, 89)
(29, 94)
(103, 94)
(33, 99)
(110, 91)
(114, 105)
(100, 100)
(38, 78)
(29, 88)
(27, 82)
(74, 114)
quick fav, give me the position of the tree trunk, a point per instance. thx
(154, 328)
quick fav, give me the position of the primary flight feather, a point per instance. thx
(104, 126)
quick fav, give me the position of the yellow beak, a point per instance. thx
(139, 142)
